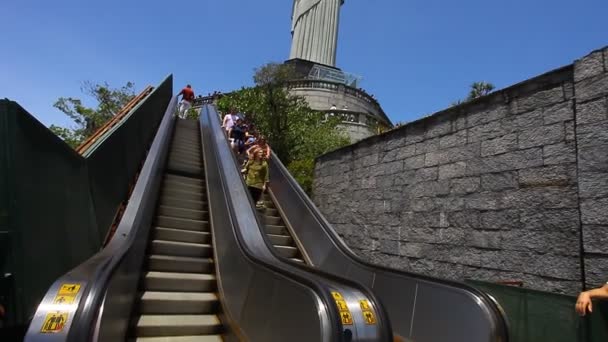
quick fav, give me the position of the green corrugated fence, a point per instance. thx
(536, 316)
(56, 206)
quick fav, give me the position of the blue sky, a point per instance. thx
(416, 56)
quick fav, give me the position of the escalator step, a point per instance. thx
(271, 220)
(183, 282)
(183, 213)
(183, 194)
(287, 251)
(175, 325)
(171, 263)
(180, 235)
(192, 187)
(182, 223)
(270, 212)
(283, 240)
(182, 203)
(186, 249)
(276, 230)
(183, 179)
(194, 338)
(153, 302)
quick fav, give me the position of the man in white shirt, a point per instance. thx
(229, 120)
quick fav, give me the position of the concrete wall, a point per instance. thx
(487, 190)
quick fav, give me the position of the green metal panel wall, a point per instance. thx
(541, 316)
(56, 206)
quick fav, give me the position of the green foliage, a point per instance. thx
(192, 114)
(479, 89)
(303, 170)
(295, 132)
(88, 120)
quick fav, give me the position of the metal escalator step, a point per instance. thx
(183, 189)
(186, 168)
(276, 230)
(287, 251)
(283, 240)
(271, 220)
(181, 235)
(195, 162)
(194, 150)
(183, 179)
(182, 223)
(153, 302)
(194, 338)
(182, 203)
(191, 214)
(192, 196)
(194, 186)
(172, 263)
(270, 211)
(183, 282)
(189, 158)
(187, 249)
(269, 205)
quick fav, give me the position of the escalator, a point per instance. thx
(188, 262)
(421, 308)
(178, 296)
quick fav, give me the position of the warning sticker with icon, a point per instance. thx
(369, 317)
(68, 290)
(54, 322)
(347, 318)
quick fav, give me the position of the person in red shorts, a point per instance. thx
(187, 99)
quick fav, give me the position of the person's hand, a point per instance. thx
(264, 187)
(583, 304)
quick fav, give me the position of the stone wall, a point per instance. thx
(494, 189)
(591, 91)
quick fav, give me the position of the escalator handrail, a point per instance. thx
(248, 217)
(497, 312)
(93, 275)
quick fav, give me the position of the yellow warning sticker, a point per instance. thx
(347, 318)
(369, 317)
(364, 304)
(69, 290)
(341, 303)
(64, 300)
(336, 295)
(54, 322)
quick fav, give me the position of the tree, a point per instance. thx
(296, 133)
(87, 120)
(479, 89)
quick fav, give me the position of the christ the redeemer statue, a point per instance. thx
(314, 30)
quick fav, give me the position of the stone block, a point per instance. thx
(540, 99)
(592, 111)
(453, 170)
(593, 159)
(594, 211)
(483, 201)
(389, 247)
(589, 66)
(415, 132)
(499, 145)
(595, 239)
(460, 122)
(482, 117)
(432, 158)
(560, 153)
(426, 146)
(595, 134)
(502, 219)
(395, 142)
(405, 152)
(499, 181)
(489, 130)
(541, 241)
(596, 269)
(543, 135)
(405, 177)
(558, 113)
(484, 239)
(593, 185)
(528, 120)
(424, 204)
(465, 185)
(415, 162)
(515, 160)
(413, 249)
(549, 219)
(464, 219)
(556, 175)
(426, 174)
(568, 90)
(555, 266)
(453, 140)
(437, 127)
(546, 197)
(430, 189)
(591, 88)
(569, 128)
